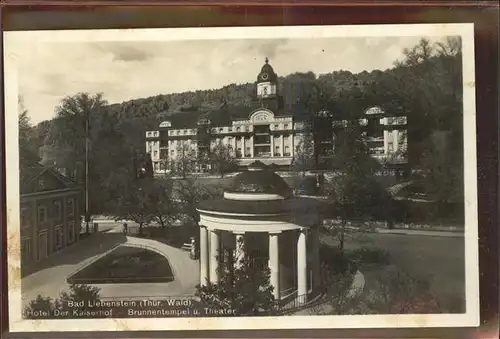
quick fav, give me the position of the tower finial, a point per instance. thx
(267, 60)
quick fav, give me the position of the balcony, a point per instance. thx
(262, 140)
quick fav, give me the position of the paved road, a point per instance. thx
(439, 260)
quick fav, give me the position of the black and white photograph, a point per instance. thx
(229, 178)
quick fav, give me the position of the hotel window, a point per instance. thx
(58, 238)
(71, 208)
(26, 249)
(247, 129)
(155, 154)
(247, 152)
(390, 147)
(71, 232)
(238, 153)
(178, 132)
(57, 209)
(42, 214)
(276, 127)
(172, 152)
(287, 151)
(286, 126)
(238, 129)
(185, 131)
(25, 217)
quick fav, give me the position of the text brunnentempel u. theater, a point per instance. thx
(129, 308)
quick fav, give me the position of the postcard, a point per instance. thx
(292, 177)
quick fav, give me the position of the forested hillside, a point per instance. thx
(426, 85)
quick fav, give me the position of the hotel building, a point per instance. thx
(270, 131)
(50, 217)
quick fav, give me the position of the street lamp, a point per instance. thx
(87, 195)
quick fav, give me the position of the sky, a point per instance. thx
(49, 71)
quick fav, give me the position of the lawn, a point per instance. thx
(437, 262)
(125, 264)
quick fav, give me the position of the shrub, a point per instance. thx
(366, 255)
(40, 304)
(48, 305)
(78, 293)
(332, 259)
(392, 291)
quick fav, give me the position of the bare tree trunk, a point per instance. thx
(342, 238)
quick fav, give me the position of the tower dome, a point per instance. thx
(267, 73)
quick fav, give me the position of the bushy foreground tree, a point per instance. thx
(244, 287)
(76, 293)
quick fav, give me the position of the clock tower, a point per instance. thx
(267, 82)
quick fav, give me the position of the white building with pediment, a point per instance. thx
(267, 130)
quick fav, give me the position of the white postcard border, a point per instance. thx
(470, 318)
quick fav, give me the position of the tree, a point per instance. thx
(185, 161)
(77, 293)
(443, 177)
(78, 122)
(394, 291)
(189, 193)
(303, 159)
(222, 159)
(244, 288)
(28, 149)
(164, 209)
(134, 203)
(353, 191)
(40, 304)
(165, 162)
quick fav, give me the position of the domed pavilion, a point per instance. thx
(278, 230)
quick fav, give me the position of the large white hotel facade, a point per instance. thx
(269, 130)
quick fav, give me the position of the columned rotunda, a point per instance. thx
(278, 230)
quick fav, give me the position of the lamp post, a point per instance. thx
(87, 196)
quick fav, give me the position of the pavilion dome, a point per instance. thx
(261, 181)
(259, 192)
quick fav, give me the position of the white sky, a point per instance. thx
(127, 70)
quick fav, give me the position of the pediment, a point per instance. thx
(261, 115)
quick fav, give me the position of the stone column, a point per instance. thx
(274, 263)
(302, 265)
(251, 147)
(203, 255)
(315, 257)
(243, 151)
(282, 145)
(386, 142)
(272, 144)
(395, 145)
(239, 252)
(214, 256)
